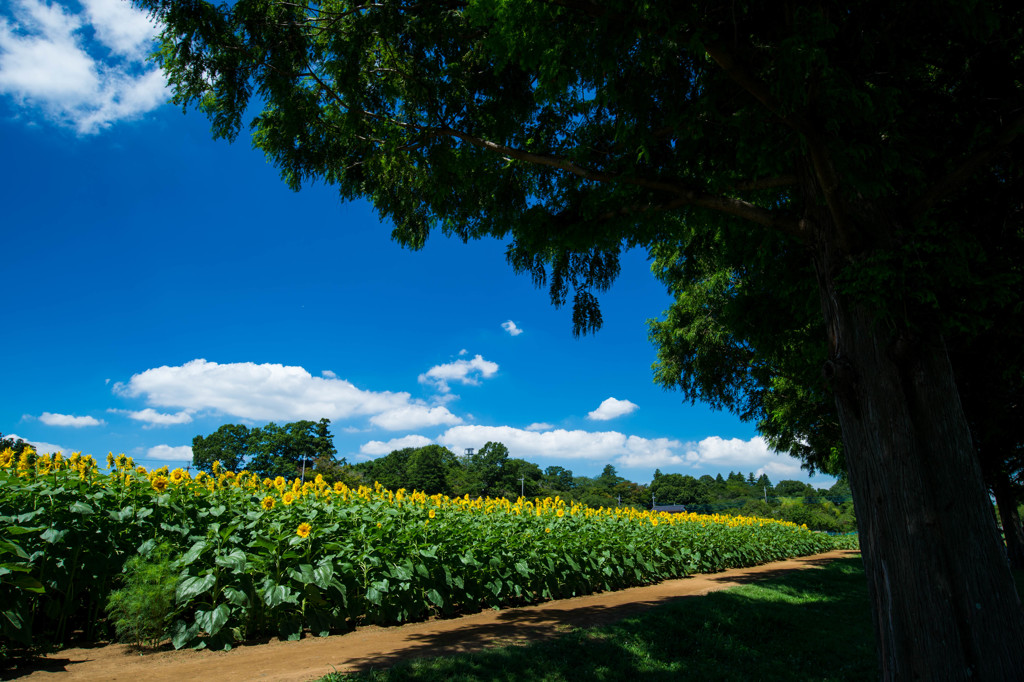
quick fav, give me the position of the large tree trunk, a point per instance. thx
(1006, 502)
(944, 602)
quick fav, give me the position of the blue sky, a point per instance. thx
(158, 284)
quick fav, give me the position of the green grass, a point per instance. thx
(806, 625)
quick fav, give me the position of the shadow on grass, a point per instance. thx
(806, 625)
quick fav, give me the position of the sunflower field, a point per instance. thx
(251, 557)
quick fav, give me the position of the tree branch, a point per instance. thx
(967, 168)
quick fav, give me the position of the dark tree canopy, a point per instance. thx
(838, 141)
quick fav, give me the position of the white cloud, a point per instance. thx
(721, 454)
(464, 371)
(511, 328)
(267, 392)
(53, 419)
(414, 417)
(611, 408)
(47, 60)
(328, 374)
(561, 444)
(153, 418)
(463, 351)
(540, 426)
(124, 29)
(180, 453)
(40, 447)
(630, 452)
(376, 447)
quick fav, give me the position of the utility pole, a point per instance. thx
(652, 501)
(522, 486)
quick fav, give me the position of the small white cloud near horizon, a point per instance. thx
(511, 328)
(540, 426)
(48, 61)
(39, 446)
(328, 374)
(561, 444)
(54, 419)
(375, 448)
(152, 418)
(612, 408)
(466, 372)
(180, 453)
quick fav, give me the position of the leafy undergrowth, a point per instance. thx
(806, 625)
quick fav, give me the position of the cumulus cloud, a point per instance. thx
(610, 409)
(468, 372)
(54, 419)
(561, 444)
(540, 426)
(725, 454)
(414, 416)
(153, 418)
(180, 453)
(628, 451)
(267, 392)
(511, 328)
(375, 447)
(88, 79)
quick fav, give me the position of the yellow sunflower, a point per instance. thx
(159, 483)
(268, 503)
(303, 530)
(288, 498)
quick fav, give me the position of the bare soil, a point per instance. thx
(381, 647)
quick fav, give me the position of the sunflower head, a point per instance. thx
(159, 483)
(303, 530)
(288, 498)
(267, 503)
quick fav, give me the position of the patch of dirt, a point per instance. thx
(381, 647)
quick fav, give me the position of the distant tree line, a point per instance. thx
(306, 447)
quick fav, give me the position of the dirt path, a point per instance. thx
(382, 647)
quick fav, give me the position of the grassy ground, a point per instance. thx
(807, 625)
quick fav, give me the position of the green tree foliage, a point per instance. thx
(292, 450)
(230, 445)
(830, 139)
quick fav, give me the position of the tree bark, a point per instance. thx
(1013, 533)
(944, 602)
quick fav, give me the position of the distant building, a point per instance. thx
(669, 508)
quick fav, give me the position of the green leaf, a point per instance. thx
(235, 560)
(80, 507)
(53, 535)
(194, 586)
(236, 596)
(323, 575)
(27, 582)
(435, 597)
(276, 595)
(304, 574)
(193, 553)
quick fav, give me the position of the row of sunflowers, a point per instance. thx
(241, 556)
